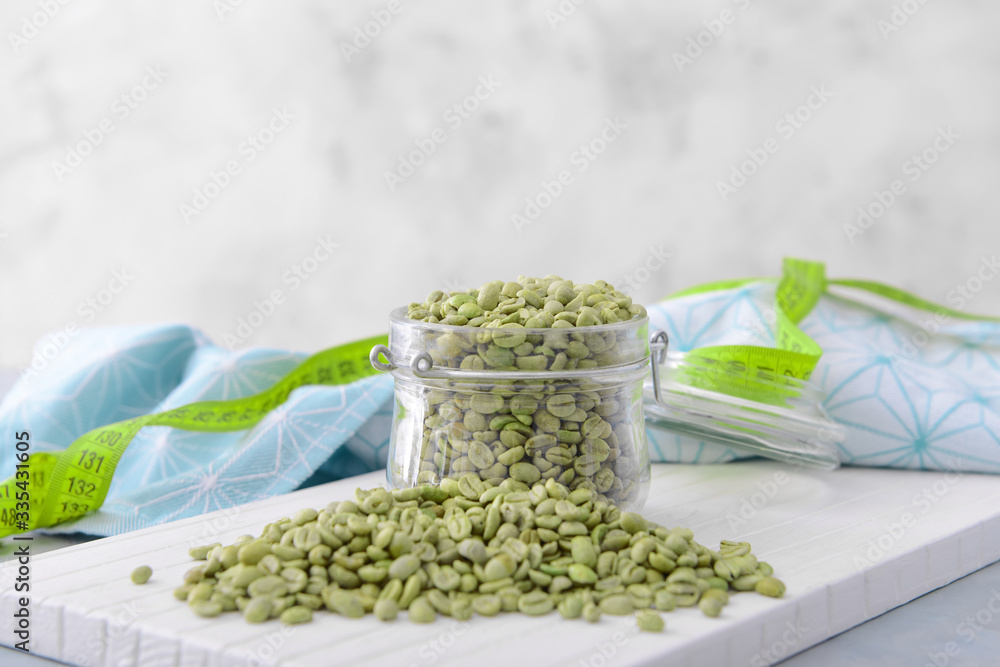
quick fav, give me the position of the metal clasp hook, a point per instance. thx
(377, 363)
(658, 343)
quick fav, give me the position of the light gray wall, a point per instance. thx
(653, 191)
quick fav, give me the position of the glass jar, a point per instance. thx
(524, 404)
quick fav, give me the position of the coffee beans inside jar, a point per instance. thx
(537, 379)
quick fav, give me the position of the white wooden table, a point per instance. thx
(850, 545)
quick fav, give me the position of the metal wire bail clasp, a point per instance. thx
(658, 343)
(377, 364)
(420, 366)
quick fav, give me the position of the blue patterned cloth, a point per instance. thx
(910, 398)
(914, 389)
(107, 375)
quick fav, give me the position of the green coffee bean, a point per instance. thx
(496, 586)
(386, 610)
(649, 621)
(411, 589)
(632, 523)
(583, 551)
(770, 587)
(642, 549)
(227, 601)
(404, 566)
(718, 583)
(571, 606)
(581, 574)
(716, 594)
(207, 608)
(313, 601)
(200, 593)
(499, 567)
(683, 575)
(723, 570)
(461, 609)
(486, 605)
(252, 552)
(617, 605)
(535, 603)
(141, 574)
(271, 584)
(489, 295)
(295, 615)
(591, 612)
(661, 563)
(664, 601)
(280, 604)
(439, 601)
(615, 540)
(525, 472)
(287, 552)
(201, 553)
(345, 603)
(421, 611)
(257, 610)
(481, 456)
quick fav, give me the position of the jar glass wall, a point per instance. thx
(524, 404)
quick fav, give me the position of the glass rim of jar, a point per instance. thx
(398, 316)
(420, 366)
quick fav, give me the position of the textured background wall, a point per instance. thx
(182, 160)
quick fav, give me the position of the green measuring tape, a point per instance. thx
(51, 488)
(754, 372)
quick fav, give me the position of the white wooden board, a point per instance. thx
(850, 545)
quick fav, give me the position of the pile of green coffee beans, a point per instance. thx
(529, 303)
(459, 550)
(582, 433)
